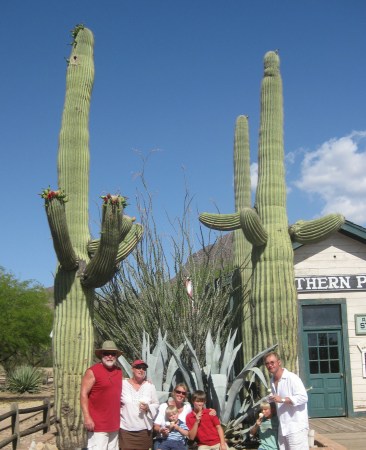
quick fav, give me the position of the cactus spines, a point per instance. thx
(273, 294)
(83, 263)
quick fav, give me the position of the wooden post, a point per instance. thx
(15, 424)
(46, 415)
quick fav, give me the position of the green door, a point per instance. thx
(324, 363)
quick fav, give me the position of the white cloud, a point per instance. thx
(336, 172)
(253, 176)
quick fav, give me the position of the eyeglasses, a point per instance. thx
(140, 367)
(180, 392)
(270, 363)
(109, 353)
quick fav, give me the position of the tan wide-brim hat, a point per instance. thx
(107, 346)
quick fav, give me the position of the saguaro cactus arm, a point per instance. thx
(247, 220)
(223, 222)
(311, 231)
(252, 227)
(55, 210)
(102, 266)
(129, 242)
(126, 226)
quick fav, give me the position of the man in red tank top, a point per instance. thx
(100, 399)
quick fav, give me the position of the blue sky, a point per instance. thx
(171, 78)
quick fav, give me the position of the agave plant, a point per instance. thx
(216, 377)
(25, 379)
(232, 396)
(163, 369)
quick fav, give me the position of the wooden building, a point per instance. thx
(331, 286)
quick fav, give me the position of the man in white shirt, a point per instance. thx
(291, 398)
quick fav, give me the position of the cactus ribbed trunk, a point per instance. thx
(274, 297)
(242, 247)
(73, 340)
(73, 336)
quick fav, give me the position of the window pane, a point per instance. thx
(312, 339)
(319, 315)
(334, 366)
(313, 353)
(324, 367)
(333, 353)
(323, 339)
(323, 353)
(314, 367)
(333, 338)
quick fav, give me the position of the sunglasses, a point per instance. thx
(180, 392)
(109, 353)
(140, 367)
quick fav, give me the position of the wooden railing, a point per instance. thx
(15, 413)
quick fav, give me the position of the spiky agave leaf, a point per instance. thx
(172, 369)
(187, 375)
(238, 382)
(195, 365)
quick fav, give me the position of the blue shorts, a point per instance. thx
(169, 444)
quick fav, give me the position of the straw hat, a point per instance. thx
(107, 346)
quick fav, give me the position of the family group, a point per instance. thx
(124, 413)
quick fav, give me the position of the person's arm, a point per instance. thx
(87, 383)
(159, 419)
(223, 445)
(296, 392)
(193, 428)
(182, 431)
(255, 428)
(152, 408)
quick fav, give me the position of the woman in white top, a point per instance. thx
(178, 399)
(139, 405)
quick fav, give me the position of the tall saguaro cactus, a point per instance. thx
(242, 247)
(273, 293)
(83, 264)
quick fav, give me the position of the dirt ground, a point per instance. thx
(36, 441)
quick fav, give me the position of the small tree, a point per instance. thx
(149, 293)
(25, 321)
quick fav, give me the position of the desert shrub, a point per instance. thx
(25, 379)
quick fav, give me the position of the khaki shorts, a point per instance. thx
(209, 447)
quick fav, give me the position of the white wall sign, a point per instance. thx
(332, 283)
(360, 324)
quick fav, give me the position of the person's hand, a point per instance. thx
(275, 398)
(164, 431)
(199, 415)
(174, 425)
(223, 446)
(144, 407)
(89, 424)
(212, 412)
(259, 420)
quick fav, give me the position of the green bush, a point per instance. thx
(25, 379)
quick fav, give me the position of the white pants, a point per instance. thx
(99, 440)
(294, 441)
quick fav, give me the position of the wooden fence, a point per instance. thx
(15, 413)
